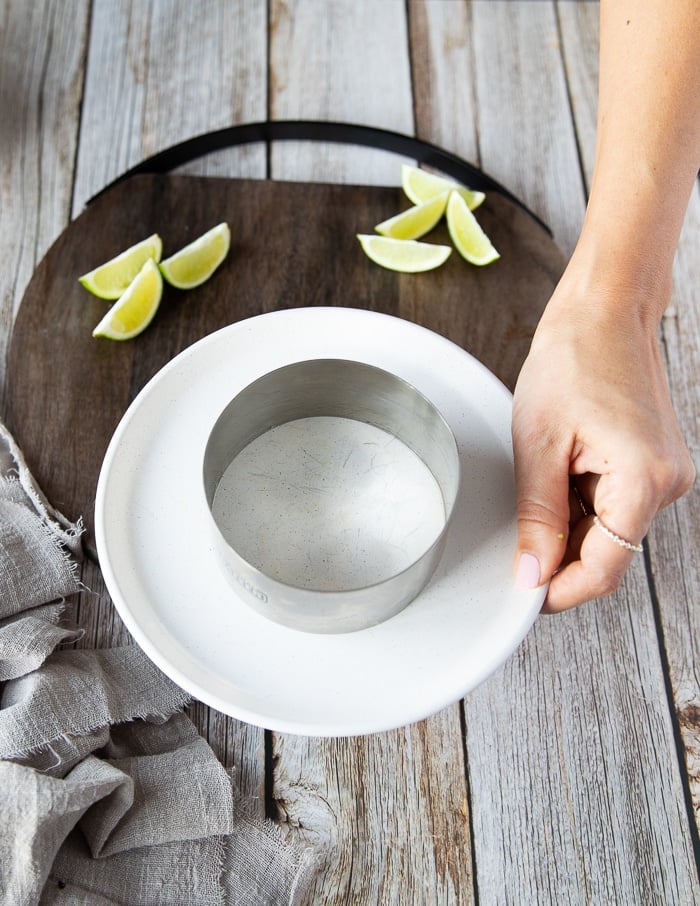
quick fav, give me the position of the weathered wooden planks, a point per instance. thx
(344, 61)
(574, 781)
(158, 73)
(578, 28)
(675, 536)
(524, 125)
(41, 49)
(388, 813)
(572, 767)
(442, 65)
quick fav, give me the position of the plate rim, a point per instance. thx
(532, 601)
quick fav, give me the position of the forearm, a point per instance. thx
(592, 399)
(647, 153)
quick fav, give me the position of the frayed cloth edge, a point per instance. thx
(306, 858)
(68, 532)
(80, 733)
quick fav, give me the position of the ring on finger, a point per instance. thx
(581, 502)
(628, 545)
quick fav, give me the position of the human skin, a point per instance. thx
(592, 402)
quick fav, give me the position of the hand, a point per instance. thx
(592, 406)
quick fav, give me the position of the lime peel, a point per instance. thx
(469, 239)
(111, 279)
(136, 307)
(404, 255)
(421, 186)
(195, 263)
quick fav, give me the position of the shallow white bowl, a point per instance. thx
(161, 569)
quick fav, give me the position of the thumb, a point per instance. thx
(542, 491)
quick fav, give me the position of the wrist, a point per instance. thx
(611, 277)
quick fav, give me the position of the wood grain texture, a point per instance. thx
(442, 65)
(569, 787)
(572, 766)
(579, 29)
(526, 136)
(326, 61)
(41, 66)
(387, 812)
(160, 72)
(675, 535)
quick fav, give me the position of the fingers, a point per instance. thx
(558, 539)
(578, 537)
(594, 572)
(598, 554)
(542, 508)
(576, 411)
(599, 547)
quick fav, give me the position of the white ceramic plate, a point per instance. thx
(162, 573)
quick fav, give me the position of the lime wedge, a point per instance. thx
(421, 186)
(196, 262)
(405, 255)
(416, 221)
(470, 240)
(136, 308)
(109, 280)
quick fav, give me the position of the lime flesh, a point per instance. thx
(469, 239)
(404, 255)
(136, 308)
(111, 279)
(416, 221)
(420, 186)
(196, 262)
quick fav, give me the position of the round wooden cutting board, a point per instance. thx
(293, 244)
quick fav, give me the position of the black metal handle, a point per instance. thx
(323, 131)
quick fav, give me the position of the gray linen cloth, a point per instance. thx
(108, 795)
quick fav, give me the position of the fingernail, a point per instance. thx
(528, 572)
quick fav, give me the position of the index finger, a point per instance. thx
(598, 573)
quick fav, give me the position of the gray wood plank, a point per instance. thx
(41, 68)
(347, 61)
(442, 66)
(674, 539)
(387, 813)
(572, 767)
(579, 29)
(526, 135)
(160, 72)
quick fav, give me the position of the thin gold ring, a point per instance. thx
(581, 503)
